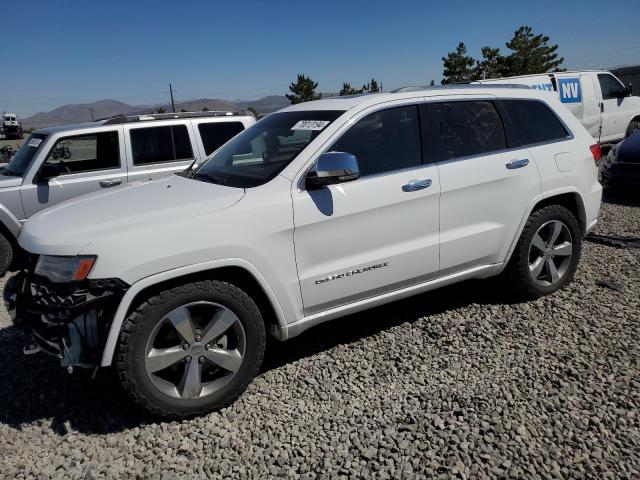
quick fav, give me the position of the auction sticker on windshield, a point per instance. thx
(35, 142)
(310, 125)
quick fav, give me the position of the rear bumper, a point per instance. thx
(68, 321)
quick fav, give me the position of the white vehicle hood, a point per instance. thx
(10, 181)
(67, 228)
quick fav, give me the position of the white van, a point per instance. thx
(601, 102)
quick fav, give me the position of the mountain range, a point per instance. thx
(86, 112)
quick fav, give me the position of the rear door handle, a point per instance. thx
(110, 183)
(416, 185)
(517, 164)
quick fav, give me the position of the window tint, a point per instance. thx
(463, 129)
(384, 141)
(611, 88)
(534, 121)
(160, 144)
(85, 153)
(214, 135)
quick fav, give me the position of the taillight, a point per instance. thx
(595, 151)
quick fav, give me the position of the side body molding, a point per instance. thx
(136, 288)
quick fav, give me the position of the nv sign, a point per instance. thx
(570, 91)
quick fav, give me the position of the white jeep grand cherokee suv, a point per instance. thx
(319, 210)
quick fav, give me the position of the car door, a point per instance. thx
(375, 234)
(157, 151)
(486, 182)
(87, 162)
(614, 114)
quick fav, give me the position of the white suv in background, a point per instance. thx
(58, 163)
(317, 211)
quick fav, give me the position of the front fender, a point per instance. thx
(139, 286)
(10, 221)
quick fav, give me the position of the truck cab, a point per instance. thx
(597, 98)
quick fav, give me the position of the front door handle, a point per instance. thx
(517, 164)
(110, 183)
(416, 185)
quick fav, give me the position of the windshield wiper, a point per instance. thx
(210, 177)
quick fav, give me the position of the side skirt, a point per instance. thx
(309, 321)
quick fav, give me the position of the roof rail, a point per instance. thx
(169, 116)
(454, 86)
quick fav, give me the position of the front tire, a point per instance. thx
(546, 256)
(6, 254)
(191, 349)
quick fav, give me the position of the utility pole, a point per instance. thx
(173, 107)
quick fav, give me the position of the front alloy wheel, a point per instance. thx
(195, 350)
(191, 349)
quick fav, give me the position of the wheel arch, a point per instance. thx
(570, 199)
(239, 272)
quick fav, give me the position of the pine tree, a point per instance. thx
(492, 65)
(253, 111)
(458, 66)
(347, 90)
(531, 53)
(304, 90)
(373, 86)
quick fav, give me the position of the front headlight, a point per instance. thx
(64, 269)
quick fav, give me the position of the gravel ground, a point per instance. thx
(456, 382)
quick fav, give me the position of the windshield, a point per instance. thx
(24, 156)
(259, 153)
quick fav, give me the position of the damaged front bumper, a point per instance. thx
(68, 320)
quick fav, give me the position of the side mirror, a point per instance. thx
(47, 172)
(332, 168)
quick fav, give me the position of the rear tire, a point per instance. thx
(633, 126)
(546, 256)
(188, 381)
(6, 254)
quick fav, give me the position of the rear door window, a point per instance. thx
(534, 121)
(216, 134)
(86, 153)
(466, 128)
(160, 144)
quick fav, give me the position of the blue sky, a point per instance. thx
(78, 52)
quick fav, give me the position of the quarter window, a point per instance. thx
(534, 121)
(464, 129)
(611, 87)
(160, 144)
(86, 153)
(384, 141)
(216, 134)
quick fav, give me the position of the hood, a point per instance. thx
(10, 181)
(68, 227)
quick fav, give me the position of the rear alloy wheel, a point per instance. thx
(547, 253)
(550, 253)
(191, 349)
